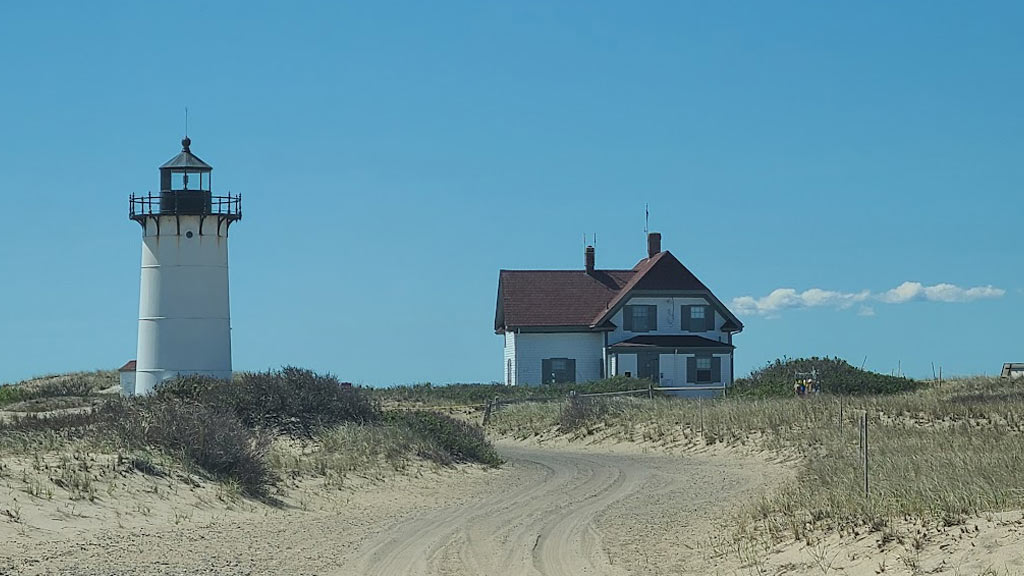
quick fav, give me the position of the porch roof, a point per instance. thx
(670, 341)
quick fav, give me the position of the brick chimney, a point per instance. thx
(653, 244)
(588, 259)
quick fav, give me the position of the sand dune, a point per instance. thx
(556, 508)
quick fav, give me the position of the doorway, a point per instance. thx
(648, 366)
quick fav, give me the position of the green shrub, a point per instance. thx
(457, 440)
(577, 413)
(214, 440)
(291, 400)
(836, 375)
(11, 394)
(477, 394)
(70, 386)
(81, 384)
(69, 424)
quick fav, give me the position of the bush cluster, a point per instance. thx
(456, 440)
(11, 394)
(471, 394)
(58, 388)
(836, 375)
(226, 428)
(200, 435)
(210, 438)
(577, 413)
(292, 400)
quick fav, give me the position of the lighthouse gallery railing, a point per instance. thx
(178, 204)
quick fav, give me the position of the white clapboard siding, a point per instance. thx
(673, 370)
(510, 359)
(530, 349)
(669, 322)
(626, 363)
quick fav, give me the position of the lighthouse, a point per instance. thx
(184, 311)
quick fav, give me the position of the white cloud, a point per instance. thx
(789, 299)
(939, 293)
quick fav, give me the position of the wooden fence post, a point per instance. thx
(487, 411)
(840, 415)
(700, 406)
(650, 391)
(863, 425)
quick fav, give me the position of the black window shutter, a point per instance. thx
(571, 376)
(627, 318)
(709, 318)
(685, 317)
(691, 370)
(652, 317)
(716, 369)
(545, 371)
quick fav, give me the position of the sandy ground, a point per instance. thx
(554, 509)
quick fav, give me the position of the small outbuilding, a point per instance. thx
(127, 378)
(1012, 370)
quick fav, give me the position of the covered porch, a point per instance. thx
(673, 361)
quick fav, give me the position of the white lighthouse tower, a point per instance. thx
(184, 312)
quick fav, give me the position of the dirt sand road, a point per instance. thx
(553, 510)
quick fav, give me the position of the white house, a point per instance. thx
(1012, 370)
(655, 321)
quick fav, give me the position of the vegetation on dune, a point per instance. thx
(480, 394)
(939, 454)
(774, 379)
(79, 384)
(227, 429)
(836, 375)
(291, 401)
(453, 440)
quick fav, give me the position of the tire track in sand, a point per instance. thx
(543, 526)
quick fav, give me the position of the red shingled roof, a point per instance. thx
(548, 298)
(574, 298)
(129, 366)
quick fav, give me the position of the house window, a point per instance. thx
(641, 322)
(640, 318)
(703, 370)
(697, 319)
(558, 370)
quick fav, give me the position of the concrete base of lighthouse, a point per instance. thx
(184, 309)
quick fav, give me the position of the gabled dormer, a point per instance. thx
(665, 297)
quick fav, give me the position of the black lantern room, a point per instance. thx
(185, 183)
(185, 190)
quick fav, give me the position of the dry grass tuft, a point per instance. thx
(939, 454)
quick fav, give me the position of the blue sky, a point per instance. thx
(394, 156)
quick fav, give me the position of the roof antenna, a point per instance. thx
(647, 220)
(186, 121)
